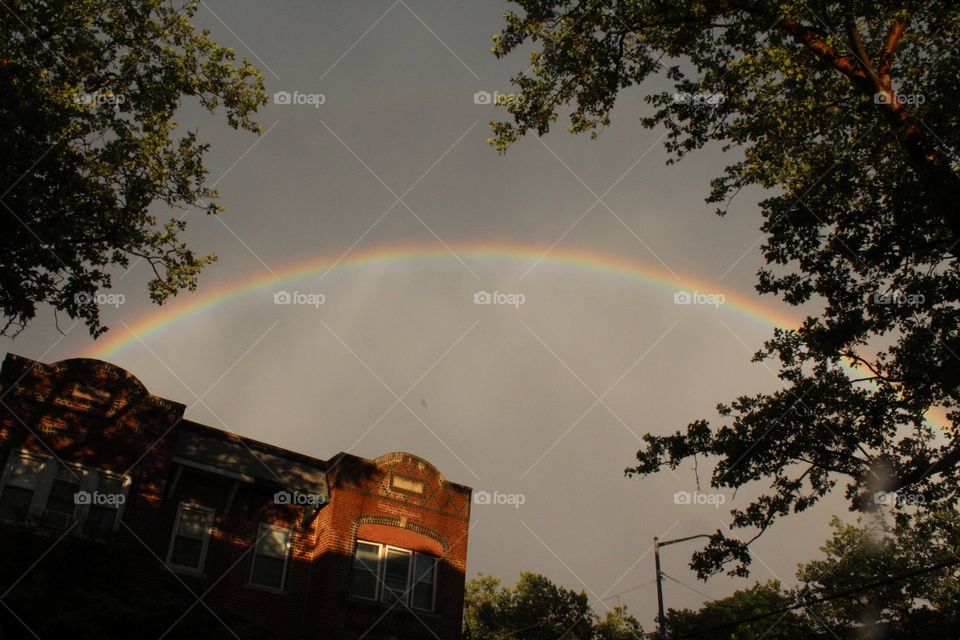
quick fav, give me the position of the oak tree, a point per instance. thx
(845, 113)
(94, 170)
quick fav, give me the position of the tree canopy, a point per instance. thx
(925, 605)
(538, 609)
(745, 603)
(93, 167)
(844, 113)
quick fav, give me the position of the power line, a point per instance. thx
(639, 586)
(685, 585)
(840, 594)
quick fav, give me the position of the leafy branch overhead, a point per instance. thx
(95, 171)
(845, 113)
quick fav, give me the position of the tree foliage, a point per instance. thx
(845, 113)
(538, 609)
(92, 164)
(924, 606)
(745, 603)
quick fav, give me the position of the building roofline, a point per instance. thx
(130, 379)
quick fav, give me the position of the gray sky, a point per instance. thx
(546, 400)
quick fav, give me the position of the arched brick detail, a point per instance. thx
(392, 521)
(399, 457)
(92, 370)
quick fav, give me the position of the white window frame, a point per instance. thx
(376, 575)
(89, 481)
(189, 506)
(286, 556)
(36, 504)
(381, 590)
(382, 573)
(92, 483)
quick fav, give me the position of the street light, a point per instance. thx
(657, 543)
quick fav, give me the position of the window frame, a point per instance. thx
(433, 585)
(208, 534)
(36, 505)
(91, 484)
(380, 575)
(376, 572)
(286, 556)
(45, 481)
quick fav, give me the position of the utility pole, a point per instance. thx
(657, 543)
(661, 619)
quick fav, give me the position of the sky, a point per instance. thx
(374, 205)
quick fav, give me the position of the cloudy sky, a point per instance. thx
(544, 401)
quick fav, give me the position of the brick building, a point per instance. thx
(295, 546)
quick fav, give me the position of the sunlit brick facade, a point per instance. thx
(298, 547)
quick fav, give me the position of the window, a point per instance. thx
(62, 498)
(270, 557)
(20, 480)
(191, 535)
(41, 490)
(365, 574)
(424, 575)
(396, 574)
(390, 574)
(103, 508)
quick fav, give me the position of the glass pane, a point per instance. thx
(363, 578)
(273, 543)
(398, 564)
(366, 556)
(194, 523)
(109, 485)
(24, 472)
(424, 568)
(395, 575)
(186, 552)
(423, 596)
(267, 572)
(99, 522)
(423, 575)
(363, 583)
(14, 503)
(61, 502)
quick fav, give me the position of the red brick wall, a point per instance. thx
(93, 413)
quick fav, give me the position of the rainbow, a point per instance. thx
(165, 317)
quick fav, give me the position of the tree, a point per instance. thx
(745, 603)
(844, 111)
(537, 609)
(617, 624)
(924, 606)
(92, 162)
